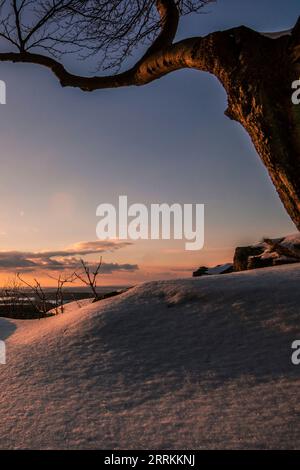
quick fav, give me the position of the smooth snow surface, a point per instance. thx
(199, 363)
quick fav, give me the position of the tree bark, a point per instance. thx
(259, 90)
(259, 98)
(257, 73)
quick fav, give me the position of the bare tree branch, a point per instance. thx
(42, 304)
(61, 281)
(111, 28)
(89, 278)
(18, 25)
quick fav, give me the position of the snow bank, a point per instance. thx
(194, 363)
(277, 34)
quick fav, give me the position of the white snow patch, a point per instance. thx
(278, 34)
(219, 269)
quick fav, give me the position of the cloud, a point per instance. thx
(108, 268)
(59, 260)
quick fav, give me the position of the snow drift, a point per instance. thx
(200, 363)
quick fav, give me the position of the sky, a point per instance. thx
(63, 152)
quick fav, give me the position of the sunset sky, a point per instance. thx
(63, 152)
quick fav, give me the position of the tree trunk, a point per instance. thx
(258, 81)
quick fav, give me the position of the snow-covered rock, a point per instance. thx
(219, 269)
(269, 252)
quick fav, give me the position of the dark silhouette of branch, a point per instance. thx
(61, 281)
(42, 304)
(108, 28)
(13, 296)
(89, 278)
(18, 25)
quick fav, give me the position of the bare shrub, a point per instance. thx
(60, 291)
(89, 277)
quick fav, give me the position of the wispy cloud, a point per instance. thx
(69, 258)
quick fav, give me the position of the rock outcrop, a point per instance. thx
(242, 255)
(270, 252)
(219, 269)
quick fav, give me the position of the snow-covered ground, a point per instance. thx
(199, 363)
